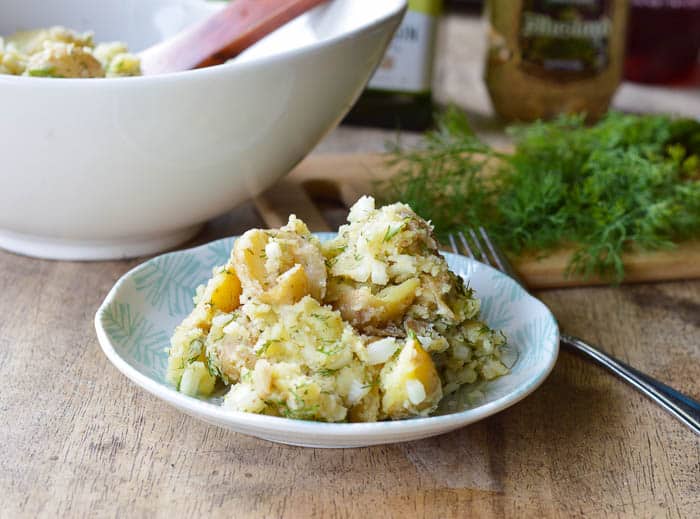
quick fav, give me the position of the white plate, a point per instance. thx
(136, 319)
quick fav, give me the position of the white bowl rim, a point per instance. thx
(201, 408)
(206, 72)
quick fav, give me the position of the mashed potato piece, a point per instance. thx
(386, 277)
(62, 53)
(369, 326)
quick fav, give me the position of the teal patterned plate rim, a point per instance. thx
(136, 319)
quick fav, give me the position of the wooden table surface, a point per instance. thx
(79, 440)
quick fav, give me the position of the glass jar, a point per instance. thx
(547, 57)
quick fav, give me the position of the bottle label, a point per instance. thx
(408, 63)
(565, 39)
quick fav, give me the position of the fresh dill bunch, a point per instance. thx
(629, 182)
(442, 180)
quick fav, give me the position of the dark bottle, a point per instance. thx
(464, 5)
(399, 94)
(663, 40)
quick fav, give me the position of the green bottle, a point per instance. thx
(399, 94)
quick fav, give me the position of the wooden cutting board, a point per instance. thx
(341, 179)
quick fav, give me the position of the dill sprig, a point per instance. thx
(629, 182)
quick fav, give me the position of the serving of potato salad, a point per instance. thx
(369, 326)
(58, 52)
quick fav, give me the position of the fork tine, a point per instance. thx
(466, 246)
(499, 258)
(489, 244)
(477, 242)
(481, 242)
(453, 243)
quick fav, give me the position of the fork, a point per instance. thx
(684, 408)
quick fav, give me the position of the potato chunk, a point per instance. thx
(248, 257)
(290, 287)
(225, 291)
(31, 42)
(410, 384)
(280, 266)
(64, 60)
(362, 308)
(196, 380)
(187, 345)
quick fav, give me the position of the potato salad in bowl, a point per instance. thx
(371, 325)
(58, 52)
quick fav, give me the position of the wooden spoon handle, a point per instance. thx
(222, 36)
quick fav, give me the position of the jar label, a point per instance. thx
(408, 63)
(565, 39)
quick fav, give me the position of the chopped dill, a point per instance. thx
(326, 350)
(214, 370)
(44, 72)
(301, 411)
(305, 413)
(326, 372)
(390, 233)
(263, 349)
(374, 383)
(196, 347)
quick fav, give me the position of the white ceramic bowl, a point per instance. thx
(110, 168)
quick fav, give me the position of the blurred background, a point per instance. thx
(514, 60)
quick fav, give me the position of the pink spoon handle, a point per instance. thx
(222, 36)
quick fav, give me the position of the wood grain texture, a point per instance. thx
(79, 440)
(286, 198)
